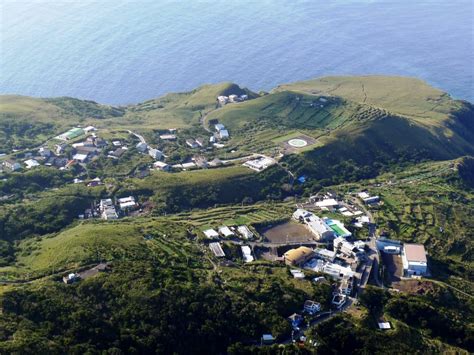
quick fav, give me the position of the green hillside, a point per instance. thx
(26, 122)
(401, 95)
(180, 110)
(286, 109)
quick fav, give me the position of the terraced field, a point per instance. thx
(235, 215)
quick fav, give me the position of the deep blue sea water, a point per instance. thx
(121, 52)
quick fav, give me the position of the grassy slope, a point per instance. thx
(44, 118)
(288, 109)
(179, 110)
(204, 188)
(405, 96)
(364, 116)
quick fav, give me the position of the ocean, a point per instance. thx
(120, 52)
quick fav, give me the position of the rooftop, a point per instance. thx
(415, 252)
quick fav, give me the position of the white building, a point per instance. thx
(89, 129)
(190, 165)
(260, 163)
(224, 134)
(414, 259)
(245, 232)
(161, 166)
(211, 233)
(168, 137)
(345, 247)
(217, 249)
(107, 209)
(191, 143)
(311, 307)
(327, 203)
(367, 199)
(81, 158)
(335, 271)
(155, 153)
(223, 99)
(218, 127)
(247, 253)
(127, 203)
(391, 249)
(225, 231)
(233, 98)
(325, 254)
(31, 163)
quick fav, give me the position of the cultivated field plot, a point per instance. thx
(287, 232)
(235, 215)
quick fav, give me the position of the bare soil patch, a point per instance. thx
(394, 265)
(287, 232)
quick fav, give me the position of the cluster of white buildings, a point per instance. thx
(221, 132)
(321, 228)
(224, 100)
(228, 232)
(107, 209)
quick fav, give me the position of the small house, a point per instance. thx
(233, 98)
(224, 134)
(311, 307)
(161, 166)
(225, 231)
(200, 142)
(71, 278)
(267, 339)
(117, 153)
(338, 300)
(219, 127)
(45, 152)
(80, 158)
(191, 143)
(168, 137)
(127, 203)
(245, 232)
(31, 163)
(211, 233)
(60, 148)
(142, 147)
(12, 165)
(155, 153)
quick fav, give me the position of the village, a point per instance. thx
(311, 245)
(315, 244)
